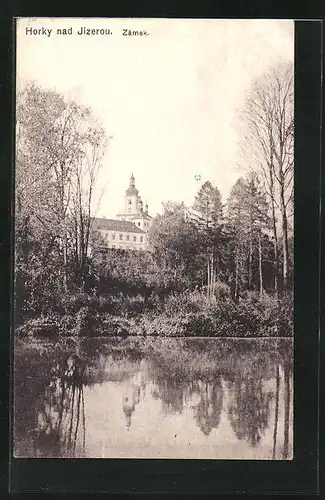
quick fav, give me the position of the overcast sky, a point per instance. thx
(170, 99)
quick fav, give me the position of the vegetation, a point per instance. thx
(214, 269)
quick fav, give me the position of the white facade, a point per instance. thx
(124, 240)
(129, 230)
(133, 208)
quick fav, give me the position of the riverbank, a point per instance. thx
(189, 314)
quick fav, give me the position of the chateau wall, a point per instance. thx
(124, 240)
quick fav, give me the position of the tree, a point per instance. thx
(82, 187)
(248, 217)
(207, 206)
(175, 240)
(59, 150)
(207, 216)
(268, 146)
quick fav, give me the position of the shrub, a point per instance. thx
(87, 322)
(43, 326)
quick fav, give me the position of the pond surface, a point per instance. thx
(154, 398)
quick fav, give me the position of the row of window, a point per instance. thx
(120, 247)
(127, 237)
(139, 223)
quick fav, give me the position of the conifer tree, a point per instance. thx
(207, 206)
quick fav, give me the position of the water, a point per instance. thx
(154, 398)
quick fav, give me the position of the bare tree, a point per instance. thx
(83, 184)
(268, 148)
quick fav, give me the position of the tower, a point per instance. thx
(134, 209)
(132, 198)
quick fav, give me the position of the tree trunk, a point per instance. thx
(276, 416)
(250, 258)
(65, 263)
(260, 262)
(283, 208)
(286, 410)
(212, 275)
(237, 277)
(284, 242)
(275, 233)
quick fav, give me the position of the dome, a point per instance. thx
(131, 191)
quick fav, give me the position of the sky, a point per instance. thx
(169, 100)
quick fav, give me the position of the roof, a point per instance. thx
(142, 215)
(115, 225)
(131, 191)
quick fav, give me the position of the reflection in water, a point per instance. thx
(287, 368)
(60, 419)
(249, 410)
(130, 400)
(213, 397)
(276, 416)
(208, 410)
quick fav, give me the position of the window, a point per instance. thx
(121, 236)
(130, 202)
(129, 209)
(134, 238)
(113, 236)
(139, 223)
(141, 239)
(127, 237)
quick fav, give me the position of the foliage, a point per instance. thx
(207, 206)
(59, 150)
(212, 269)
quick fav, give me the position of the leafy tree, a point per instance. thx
(248, 218)
(59, 150)
(206, 214)
(175, 241)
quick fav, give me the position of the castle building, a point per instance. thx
(133, 208)
(129, 231)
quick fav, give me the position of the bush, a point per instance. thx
(119, 327)
(43, 326)
(195, 314)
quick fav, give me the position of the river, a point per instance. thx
(154, 398)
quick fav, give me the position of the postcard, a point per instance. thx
(154, 265)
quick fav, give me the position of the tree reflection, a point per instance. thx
(208, 411)
(284, 382)
(58, 417)
(249, 409)
(287, 367)
(192, 386)
(276, 415)
(177, 394)
(171, 394)
(130, 400)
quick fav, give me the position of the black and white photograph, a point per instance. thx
(153, 239)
